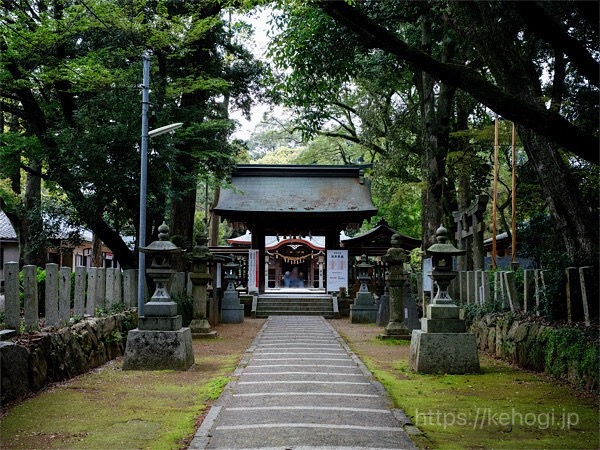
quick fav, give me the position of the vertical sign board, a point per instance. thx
(252, 270)
(427, 281)
(337, 270)
(218, 276)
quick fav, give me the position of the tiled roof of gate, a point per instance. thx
(288, 189)
(6, 229)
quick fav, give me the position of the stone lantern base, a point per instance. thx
(396, 330)
(159, 350)
(201, 329)
(232, 311)
(442, 345)
(443, 352)
(363, 310)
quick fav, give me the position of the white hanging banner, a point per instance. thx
(337, 270)
(427, 268)
(252, 270)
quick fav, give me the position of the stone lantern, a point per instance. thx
(232, 311)
(364, 310)
(159, 342)
(442, 254)
(161, 306)
(395, 257)
(200, 277)
(442, 345)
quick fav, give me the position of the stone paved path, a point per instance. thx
(301, 387)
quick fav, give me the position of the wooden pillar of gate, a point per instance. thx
(258, 243)
(469, 234)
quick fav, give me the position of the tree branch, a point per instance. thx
(546, 123)
(545, 27)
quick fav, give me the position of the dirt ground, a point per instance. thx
(363, 339)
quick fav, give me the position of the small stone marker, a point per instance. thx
(100, 288)
(383, 313)
(109, 295)
(12, 309)
(92, 285)
(30, 285)
(64, 296)
(130, 287)
(51, 296)
(177, 284)
(79, 297)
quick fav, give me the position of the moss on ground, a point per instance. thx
(502, 408)
(109, 408)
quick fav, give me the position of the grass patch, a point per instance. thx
(114, 409)
(390, 341)
(502, 407)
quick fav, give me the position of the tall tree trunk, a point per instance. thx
(463, 173)
(96, 251)
(435, 130)
(578, 227)
(31, 238)
(213, 234)
(431, 204)
(518, 76)
(183, 208)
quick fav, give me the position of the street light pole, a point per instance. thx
(146, 135)
(143, 182)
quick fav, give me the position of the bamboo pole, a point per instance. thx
(494, 199)
(514, 196)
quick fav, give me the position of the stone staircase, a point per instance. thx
(294, 305)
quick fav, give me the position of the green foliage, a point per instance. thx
(541, 242)
(115, 337)
(474, 311)
(185, 308)
(117, 308)
(41, 281)
(568, 349)
(280, 155)
(83, 129)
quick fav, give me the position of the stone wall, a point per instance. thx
(34, 360)
(569, 353)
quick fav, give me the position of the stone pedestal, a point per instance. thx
(232, 311)
(159, 350)
(201, 329)
(443, 352)
(442, 345)
(363, 310)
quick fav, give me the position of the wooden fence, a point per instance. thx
(529, 293)
(91, 289)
